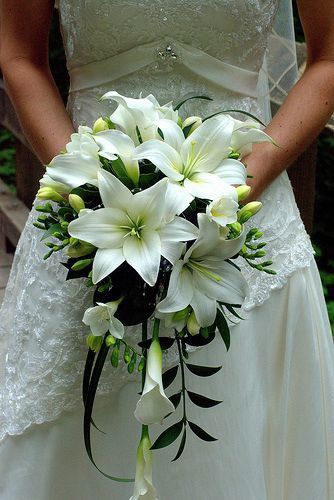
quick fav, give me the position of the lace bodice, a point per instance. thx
(42, 335)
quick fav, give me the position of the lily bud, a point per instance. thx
(80, 250)
(193, 122)
(48, 193)
(243, 191)
(248, 211)
(94, 342)
(76, 202)
(100, 125)
(192, 324)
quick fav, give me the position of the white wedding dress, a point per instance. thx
(275, 427)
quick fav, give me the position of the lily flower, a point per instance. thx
(135, 228)
(197, 166)
(101, 319)
(245, 134)
(153, 405)
(115, 142)
(133, 115)
(203, 277)
(143, 487)
(80, 163)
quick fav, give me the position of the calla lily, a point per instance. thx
(133, 115)
(153, 405)
(203, 277)
(143, 487)
(132, 228)
(101, 319)
(198, 166)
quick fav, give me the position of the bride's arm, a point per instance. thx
(24, 36)
(308, 106)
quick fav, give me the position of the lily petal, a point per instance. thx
(113, 192)
(162, 156)
(144, 254)
(180, 289)
(105, 262)
(172, 133)
(205, 308)
(74, 169)
(205, 185)
(232, 171)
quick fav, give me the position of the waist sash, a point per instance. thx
(209, 68)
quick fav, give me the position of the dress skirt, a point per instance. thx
(275, 426)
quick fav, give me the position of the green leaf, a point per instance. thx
(181, 447)
(203, 371)
(201, 433)
(146, 180)
(169, 376)
(236, 111)
(223, 329)
(230, 308)
(89, 403)
(202, 401)
(168, 436)
(175, 399)
(52, 229)
(205, 97)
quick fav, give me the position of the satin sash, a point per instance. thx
(225, 75)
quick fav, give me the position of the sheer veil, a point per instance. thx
(280, 70)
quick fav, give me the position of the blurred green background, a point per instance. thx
(323, 234)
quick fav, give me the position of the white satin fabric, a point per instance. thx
(275, 427)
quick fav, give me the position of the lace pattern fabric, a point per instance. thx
(41, 331)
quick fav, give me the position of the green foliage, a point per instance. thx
(7, 158)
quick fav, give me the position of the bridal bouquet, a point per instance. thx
(148, 209)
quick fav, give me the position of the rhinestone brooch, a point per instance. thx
(167, 53)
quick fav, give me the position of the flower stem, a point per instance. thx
(143, 338)
(155, 335)
(183, 379)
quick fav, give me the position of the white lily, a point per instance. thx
(101, 319)
(142, 114)
(153, 405)
(143, 487)
(115, 142)
(197, 166)
(80, 164)
(245, 134)
(132, 228)
(202, 277)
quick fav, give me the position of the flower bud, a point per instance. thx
(193, 122)
(248, 211)
(181, 315)
(243, 191)
(94, 342)
(115, 357)
(80, 250)
(48, 193)
(192, 324)
(100, 125)
(81, 264)
(76, 202)
(110, 340)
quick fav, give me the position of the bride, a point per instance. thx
(275, 428)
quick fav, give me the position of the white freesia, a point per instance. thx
(132, 228)
(133, 115)
(203, 277)
(224, 209)
(197, 166)
(101, 319)
(143, 487)
(79, 165)
(115, 142)
(153, 405)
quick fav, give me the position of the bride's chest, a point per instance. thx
(95, 29)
